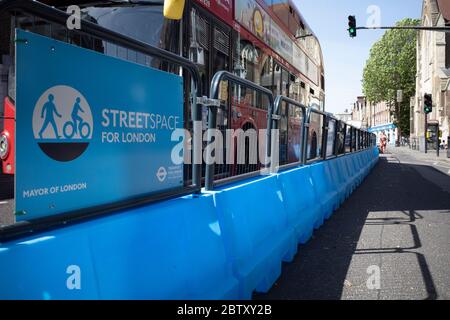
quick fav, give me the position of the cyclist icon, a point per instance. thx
(77, 125)
(49, 109)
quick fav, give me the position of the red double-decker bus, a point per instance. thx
(265, 41)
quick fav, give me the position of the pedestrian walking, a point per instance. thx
(383, 142)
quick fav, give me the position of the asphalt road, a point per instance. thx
(397, 222)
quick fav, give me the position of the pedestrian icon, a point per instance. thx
(62, 123)
(49, 110)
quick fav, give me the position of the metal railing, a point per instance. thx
(279, 100)
(212, 124)
(313, 152)
(194, 104)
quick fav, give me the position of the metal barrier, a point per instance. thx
(55, 16)
(212, 123)
(279, 100)
(314, 151)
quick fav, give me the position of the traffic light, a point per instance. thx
(352, 26)
(427, 103)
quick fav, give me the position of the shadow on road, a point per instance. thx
(388, 200)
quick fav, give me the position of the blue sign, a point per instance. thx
(382, 128)
(90, 129)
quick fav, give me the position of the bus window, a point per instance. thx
(291, 128)
(144, 23)
(221, 61)
(294, 88)
(354, 133)
(267, 73)
(247, 64)
(314, 147)
(331, 137)
(221, 54)
(283, 127)
(284, 83)
(358, 139)
(247, 56)
(340, 146)
(348, 139)
(295, 134)
(281, 81)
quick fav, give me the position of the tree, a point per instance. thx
(392, 66)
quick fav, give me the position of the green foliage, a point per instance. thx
(392, 66)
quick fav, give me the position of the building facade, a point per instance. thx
(433, 75)
(360, 113)
(345, 116)
(375, 117)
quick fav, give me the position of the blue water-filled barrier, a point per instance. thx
(300, 200)
(170, 250)
(256, 232)
(224, 244)
(326, 194)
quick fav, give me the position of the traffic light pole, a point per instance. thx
(442, 29)
(425, 132)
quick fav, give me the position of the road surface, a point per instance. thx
(390, 240)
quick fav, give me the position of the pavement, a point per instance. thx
(389, 241)
(442, 163)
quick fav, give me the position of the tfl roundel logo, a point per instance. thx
(62, 123)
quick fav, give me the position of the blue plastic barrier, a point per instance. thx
(256, 232)
(300, 202)
(364, 163)
(375, 154)
(367, 158)
(362, 166)
(335, 187)
(352, 172)
(170, 250)
(36, 267)
(220, 245)
(358, 167)
(324, 197)
(340, 182)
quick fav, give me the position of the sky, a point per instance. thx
(345, 57)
